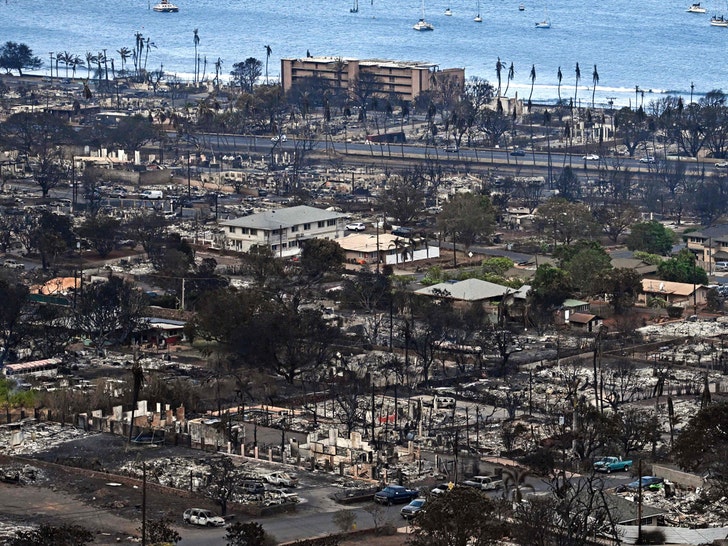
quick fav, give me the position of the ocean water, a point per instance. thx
(653, 44)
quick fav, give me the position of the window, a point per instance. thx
(294, 229)
(254, 231)
(306, 226)
(321, 224)
(331, 223)
(231, 229)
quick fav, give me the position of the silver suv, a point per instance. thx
(200, 516)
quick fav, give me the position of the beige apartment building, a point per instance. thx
(404, 79)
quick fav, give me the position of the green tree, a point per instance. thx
(133, 132)
(15, 56)
(496, 266)
(222, 481)
(568, 185)
(248, 534)
(321, 257)
(565, 221)
(246, 73)
(463, 516)
(101, 231)
(404, 197)
(467, 218)
(651, 237)
(160, 532)
(14, 298)
(682, 268)
(622, 286)
(551, 286)
(39, 136)
(585, 268)
(109, 310)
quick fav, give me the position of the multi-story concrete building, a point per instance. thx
(283, 230)
(406, 80)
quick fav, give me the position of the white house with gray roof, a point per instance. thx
(283, 230)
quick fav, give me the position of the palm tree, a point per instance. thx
(559, 76)
(533, 81)
(499, 66)
(577, 73)
(218, 67)
(124, 53)
(90, 60)
(595, 81)
(67, 60)
(148, 44)
(138, 50)
(76, 62)
(511, 75)
(196, 40)
(268, 51)
(100, 58)
(514, 483)
(204, 68)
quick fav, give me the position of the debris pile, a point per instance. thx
(31, 437)
(20, 474)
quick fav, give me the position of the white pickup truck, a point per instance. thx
(484, 483)
(12, 264)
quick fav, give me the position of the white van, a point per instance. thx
(152, 194)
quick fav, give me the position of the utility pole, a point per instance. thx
(182, 299)
(144, 504)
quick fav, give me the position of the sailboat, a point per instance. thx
(478, 18)
(355, 8)
(422, 24)
(545, 23)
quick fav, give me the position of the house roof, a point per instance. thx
(467, 290)
(633, 263)
(570, 303)
(676, 535)
(625, 511)
(718, 231)
(286, 217)
(365, 242)
(582, 318)
(656, 286)
(57, 285)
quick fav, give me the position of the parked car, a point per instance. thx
(355, 226)
(647, 159)
(279, 138)
(590, 157)
(403, 232)
(648, 482)
(484, 483)
(722, 164)
(202, 517)
(412, 509)
(393, 494)
(12, 264)
(518, 152)
(451, 148)
(280, 478)
(612, 464)
(441, 489)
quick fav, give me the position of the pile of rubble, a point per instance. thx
(693, 509)
(29, 437)
(702, 329)
(21, 474)
(192, 475)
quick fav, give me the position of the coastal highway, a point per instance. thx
(532, 163)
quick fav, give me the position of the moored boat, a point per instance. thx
(448, 12)
(696, 8)
(422, 24)
(718, 21)
(165, 6)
